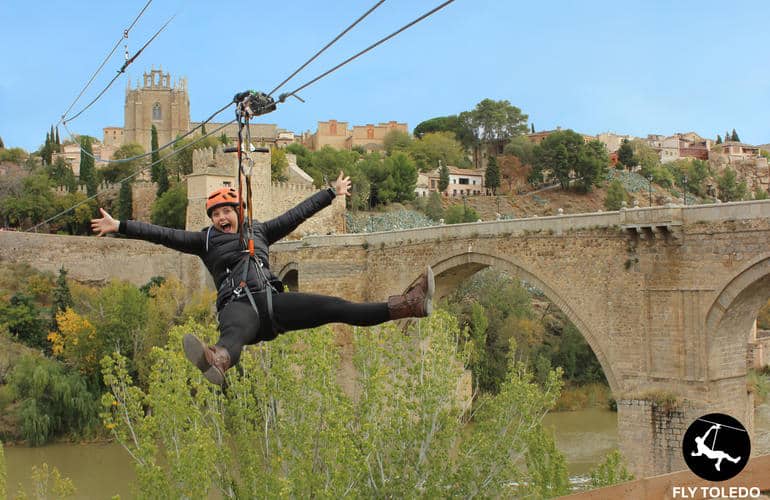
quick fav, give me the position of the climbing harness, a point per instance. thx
(248, 105)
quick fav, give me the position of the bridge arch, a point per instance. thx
(731, 317)
(455, 269)
(289, 275)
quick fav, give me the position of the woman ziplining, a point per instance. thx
(251, 304)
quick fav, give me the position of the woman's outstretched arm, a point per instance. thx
(176, 239)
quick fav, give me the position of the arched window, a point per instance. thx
(156, 111)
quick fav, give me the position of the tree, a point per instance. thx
(125, 202)
(23, 319)
(33, 203)
(278, 165)
(443, 178)
(117, 172)
(2, 144)
(163, 181)
(719, 139)
(438, 124)
(616, 195)
(592, 164)
(458, 214)
(522, 148)
(170, 208)
(87, 169)
(533, 128)
(493, 123)
(558, 154)
(436, 148)
(626, 154)
(395, 140)
(224, 139)
(434, 208)
(734, 136)
(611, 471)
(53, 401)
(729, 187)
(58, 142)
(62, 175)
(155, 157)
(402, 177)
(302, 435)
(645, 156)
(492, 175)
(62, 298)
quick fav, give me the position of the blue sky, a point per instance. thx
(633, 67)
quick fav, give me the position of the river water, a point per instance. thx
(100, 471)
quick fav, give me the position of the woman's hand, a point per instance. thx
(342, 185)
(105, 225)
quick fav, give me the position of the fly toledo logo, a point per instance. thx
(716, 447)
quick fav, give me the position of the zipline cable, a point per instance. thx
(117, 44)
(283, 97)
(63, 212)
(121, 71)
(343, 33)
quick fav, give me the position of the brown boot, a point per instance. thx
(213, 360)
(416, 302)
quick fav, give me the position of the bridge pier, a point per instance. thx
(650, 430)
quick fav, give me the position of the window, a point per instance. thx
(156, 111)
(464, 180)
(226, 184)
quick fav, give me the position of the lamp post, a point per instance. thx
(649, 185)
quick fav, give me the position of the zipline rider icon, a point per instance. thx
(705, 454)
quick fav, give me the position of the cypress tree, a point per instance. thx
(87, 169)
(492, 176)
(203, 129)
(45, 152)
(734, 136)
(443, 178)
(62, 298)
(58, 142)
(532, 127)
(2, 144)
(223, 139)
(719, 139)
(155, 170)
(125, 202)
(163, 183)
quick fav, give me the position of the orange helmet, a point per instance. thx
(220, 197)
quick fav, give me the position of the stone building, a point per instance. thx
(337, 135)
(157, 102)
(462, 182)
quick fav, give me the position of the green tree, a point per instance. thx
(87, 169)
(734, 136)
(155, 157)
(402, 178)
(626, 154)
(163, 181)
(116, 172)
(592, 163)
(760, 194)
(719, 139)
(395, 140)
(73, 220)
(32, 204)
(53, 401)
(125, 201)
(24, 320)
(302, 435)
(436, 148)
(729, 187)
(62, 175)
(645, 156)
(616, 195)
(14, 155)
(522, 148)
(558, 155)
(170, 209)
(2, 144)
(493, 123)
(62, 298)
(443, 178)
(278, 165)
(47, 150)
(224, 139)
(611, 471)
(58, 142)
(492, 175)
(532, 128)
(457, 214)
(434, 208)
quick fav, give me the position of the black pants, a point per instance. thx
(239, 324)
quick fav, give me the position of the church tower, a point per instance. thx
(157, 102)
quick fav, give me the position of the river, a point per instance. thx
(100, 471)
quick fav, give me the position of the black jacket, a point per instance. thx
(222, 252)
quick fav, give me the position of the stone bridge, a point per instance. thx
(666, 297)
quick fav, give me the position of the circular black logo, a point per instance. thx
(716, 447)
